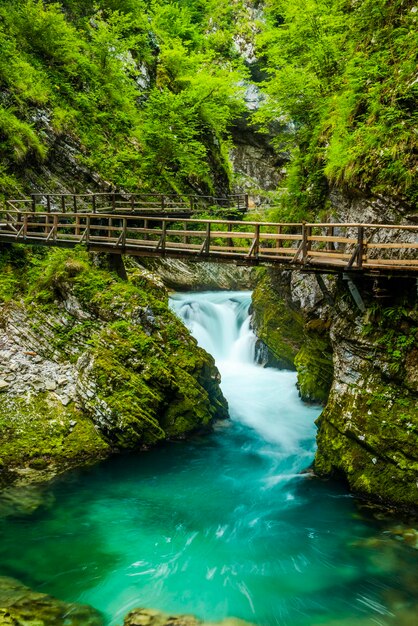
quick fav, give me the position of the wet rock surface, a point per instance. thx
(20, 606)
(201, 276)
(151, 617)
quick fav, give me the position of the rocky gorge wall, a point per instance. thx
(362, 365)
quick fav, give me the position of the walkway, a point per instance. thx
(367, 248)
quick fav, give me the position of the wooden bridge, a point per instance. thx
(385, 249)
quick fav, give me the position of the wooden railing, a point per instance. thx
(125, 203)
(317, 247)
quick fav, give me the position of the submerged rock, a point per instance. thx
(24, 501)
(152, 617)
(20, 606)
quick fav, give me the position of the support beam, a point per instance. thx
(355, 293)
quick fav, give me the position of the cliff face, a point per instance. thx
(362, 366)
(368, 431)
(92, 364)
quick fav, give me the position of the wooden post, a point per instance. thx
(163, 236)
(109, 232)
(33, 196)
(77, 226)
(93, 200)
(55, 227)
(257, 240)
(113, 201)
(124, 230)
(162, 203)
(63, 203)
(25, 225)
(132, 202)
(230, 241)
(146, 226)
(360, 244)
(48, 203)
(87, 230)
(279, 241)
(191, 204)
(330, 233)
(185, 237)
(207, 240)
(304, 242)
(75, 203)
(246, 201)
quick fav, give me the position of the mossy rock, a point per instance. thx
(314, 363)
(277, 325)
(20, 606)
(141, 378)
(369, 435)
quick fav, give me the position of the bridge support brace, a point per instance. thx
(112, 262)
(327, 295)
(355, 293)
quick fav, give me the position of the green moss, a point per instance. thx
(38, 429)
(370, 435)
(142, 377)
(314, 363)
(278, 326)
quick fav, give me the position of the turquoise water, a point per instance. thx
(222, 525)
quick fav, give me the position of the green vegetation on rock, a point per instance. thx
(141, 93)
(292, 341)
(368, 431)
(133, 375)
(343, 88)
(278, 326)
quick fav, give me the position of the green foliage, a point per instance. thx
(343, 85)
(147, 89)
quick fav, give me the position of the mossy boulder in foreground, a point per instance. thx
(91, 363)
(20, 606)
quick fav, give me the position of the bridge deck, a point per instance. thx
(373, 248)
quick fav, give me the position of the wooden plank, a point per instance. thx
(332, 239)
(328, 255)
(394, 262)
(395, 246)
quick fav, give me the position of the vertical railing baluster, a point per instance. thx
(257, 240)
(93, 201)
(278, 240)
(87, 230)
(124, 230)
(207, 240)
(330, 233)
(361, 246)
(163, 236)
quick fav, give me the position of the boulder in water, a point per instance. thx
(20, 606)
(151, 617)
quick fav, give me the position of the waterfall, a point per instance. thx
(264, 399)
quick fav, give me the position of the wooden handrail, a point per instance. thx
(308, 246)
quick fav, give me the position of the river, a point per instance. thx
(226, 524)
